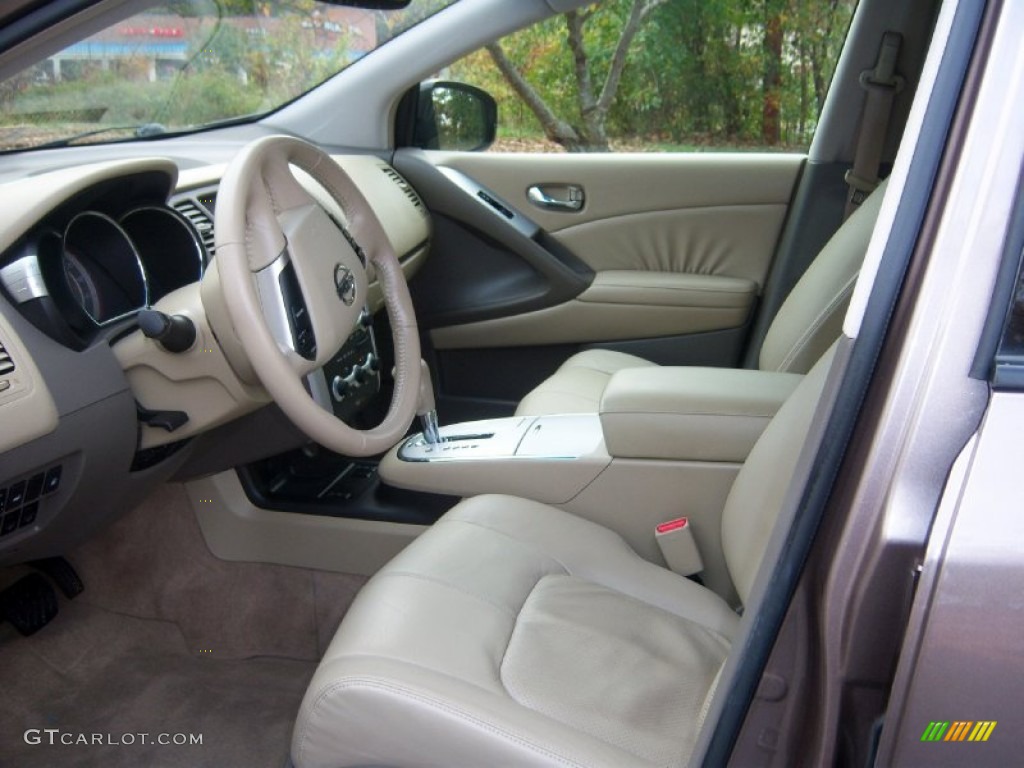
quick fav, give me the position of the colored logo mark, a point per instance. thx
(959, 730)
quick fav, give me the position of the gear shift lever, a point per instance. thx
(425, 408)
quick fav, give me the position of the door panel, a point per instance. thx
(618, 306)
(695, 241)
(617, 184)
(665, 250)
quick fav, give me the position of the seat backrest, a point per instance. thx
(811, 317)
(752, 508)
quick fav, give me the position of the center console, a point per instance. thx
(547, 458)
(349, 381)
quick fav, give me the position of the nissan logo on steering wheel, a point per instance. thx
(345, 284)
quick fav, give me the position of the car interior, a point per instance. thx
(343, 448)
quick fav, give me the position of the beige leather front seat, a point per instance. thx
(514, 634)
(807, 324)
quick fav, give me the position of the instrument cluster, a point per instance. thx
(95, 268)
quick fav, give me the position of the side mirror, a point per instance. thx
(451, 115)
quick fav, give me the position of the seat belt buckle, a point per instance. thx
(678, 547)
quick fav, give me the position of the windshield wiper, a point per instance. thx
(139, 131)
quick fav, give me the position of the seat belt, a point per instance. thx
(881, 84)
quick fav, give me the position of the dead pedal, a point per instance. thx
(29, 604)
(62, 573)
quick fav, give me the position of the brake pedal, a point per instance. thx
(61, 573)
(29, 604)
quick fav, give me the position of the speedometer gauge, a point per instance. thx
(102, 268)
(82, 287)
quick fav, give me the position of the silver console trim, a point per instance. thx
(268, 286)
(547, 438)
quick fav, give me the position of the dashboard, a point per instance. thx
(95, 414)
(100, 258)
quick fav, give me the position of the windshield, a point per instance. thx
(187, 64)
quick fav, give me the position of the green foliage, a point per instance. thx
(229, 71)
(695, 75)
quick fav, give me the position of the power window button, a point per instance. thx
(34, 487)
(28, 513)
(10, 523)
(16, 495)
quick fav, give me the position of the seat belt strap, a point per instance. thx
(881, 84)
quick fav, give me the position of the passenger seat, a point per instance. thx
(807, 324)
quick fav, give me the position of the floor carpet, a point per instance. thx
(167, 644)
(119, 677)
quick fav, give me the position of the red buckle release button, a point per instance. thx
(672, 525)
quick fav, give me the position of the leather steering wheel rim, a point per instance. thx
(265, 218)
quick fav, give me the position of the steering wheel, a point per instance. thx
(294, 285)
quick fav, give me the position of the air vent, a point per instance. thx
(200, 220)
(6, 363)
(406, 188)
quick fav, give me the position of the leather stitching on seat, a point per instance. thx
(380, 685)
(819, 320)
(712, 635)
(455, 587)
(528, 545)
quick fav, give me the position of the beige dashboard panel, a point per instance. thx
(199, 382)
(26, 201)
(27, 410)
(617, 305)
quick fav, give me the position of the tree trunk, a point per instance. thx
(589, 134)
(802, 119)
(772, 82)
(555, 129)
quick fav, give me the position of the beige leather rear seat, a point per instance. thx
(807, 323)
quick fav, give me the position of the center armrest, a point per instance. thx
(689, 413)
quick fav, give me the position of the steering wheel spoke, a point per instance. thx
(286, 313)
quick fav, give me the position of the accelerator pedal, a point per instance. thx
(61, 573)
(29, 604)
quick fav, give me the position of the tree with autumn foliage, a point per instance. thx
(667, 73)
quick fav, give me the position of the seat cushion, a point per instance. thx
(512, 633)
(577, 386)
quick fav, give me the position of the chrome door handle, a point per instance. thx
(557, 197)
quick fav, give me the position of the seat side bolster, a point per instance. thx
(811, 317)
(758, 494)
